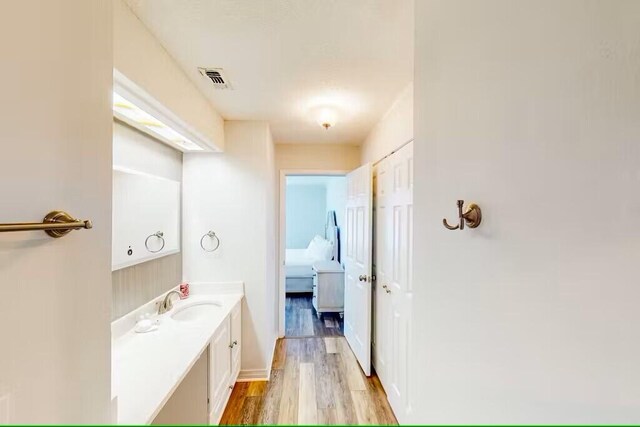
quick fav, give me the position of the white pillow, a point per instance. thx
(319, 249)
(313, 242)
(328, 254)
(314, 250)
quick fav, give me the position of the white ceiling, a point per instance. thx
(287, 58)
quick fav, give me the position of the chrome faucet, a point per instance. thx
(166, 303)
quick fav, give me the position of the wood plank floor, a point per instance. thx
(301, 319)
(313, 381)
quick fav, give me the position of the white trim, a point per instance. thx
(395, 150)
(122, 265)
(248, 375)
(273, 353)
(282, 231)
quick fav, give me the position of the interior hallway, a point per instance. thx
(313, 381)
(301, 319)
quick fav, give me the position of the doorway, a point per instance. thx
(311, 279)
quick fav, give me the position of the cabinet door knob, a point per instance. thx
(362, 278)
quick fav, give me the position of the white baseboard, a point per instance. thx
(247, 375)
(273, 353)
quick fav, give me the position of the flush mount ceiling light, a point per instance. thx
(326, 117)
(325, 106)
(138, 109)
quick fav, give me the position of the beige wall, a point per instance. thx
(141, 58)
(231, 193)
(394, 129)
(317, 156)
(531, 109)
(55, 356)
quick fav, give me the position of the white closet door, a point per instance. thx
(357, 294)
(381, 264)
(394, 289)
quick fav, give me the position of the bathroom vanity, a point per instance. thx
(157, 374)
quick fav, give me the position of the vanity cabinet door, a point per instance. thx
(219, 371)
(236, 341)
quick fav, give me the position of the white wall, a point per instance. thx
(233, 194)
(306, 213)
(135, 150)
(394, 129)
(532, 110)
(55, 358)
(141, 58)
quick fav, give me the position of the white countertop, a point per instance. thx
(146, 368)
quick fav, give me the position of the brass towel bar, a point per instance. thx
(55, 224)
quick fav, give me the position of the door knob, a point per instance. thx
(362, 278)
(386, 288)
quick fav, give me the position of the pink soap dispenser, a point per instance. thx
(184, 291)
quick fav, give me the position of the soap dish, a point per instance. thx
(145, 325)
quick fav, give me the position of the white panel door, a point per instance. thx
(357, 293)
(381, 264)
(395, 282)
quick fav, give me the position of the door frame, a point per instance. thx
(282, 232)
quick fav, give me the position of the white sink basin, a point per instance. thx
(195, 311)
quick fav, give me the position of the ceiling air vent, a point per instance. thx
(216, 75)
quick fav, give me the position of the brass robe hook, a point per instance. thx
(472, 216)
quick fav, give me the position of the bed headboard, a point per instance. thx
(332, 234)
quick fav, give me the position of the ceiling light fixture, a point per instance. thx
(133, 115)
(137, 108)
(326, 117)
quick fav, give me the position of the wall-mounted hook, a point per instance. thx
(472, 217)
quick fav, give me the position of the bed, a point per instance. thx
(299, 262)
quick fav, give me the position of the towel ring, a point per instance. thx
(159, 235)
(212, 235)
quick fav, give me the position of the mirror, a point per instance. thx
(146, 217)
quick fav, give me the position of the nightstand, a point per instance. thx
(328, 287)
